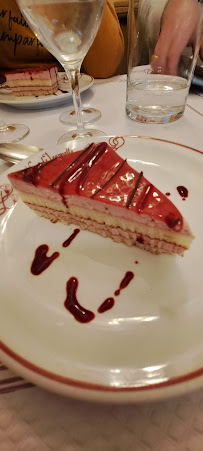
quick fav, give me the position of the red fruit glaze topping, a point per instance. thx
(94, 172)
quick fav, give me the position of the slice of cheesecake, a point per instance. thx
(97, 190)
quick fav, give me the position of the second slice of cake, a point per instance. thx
(39, 81)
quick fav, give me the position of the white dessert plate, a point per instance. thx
(148, 346)
(60, 98)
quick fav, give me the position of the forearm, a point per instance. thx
(180, 28)
(150, 12)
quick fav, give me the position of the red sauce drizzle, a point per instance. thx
(106, 305)
(168, 194)
(182, 191)
(124, 282)
(41, 261)
(72, 305)
(71, 238)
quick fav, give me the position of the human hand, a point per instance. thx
(179, 28)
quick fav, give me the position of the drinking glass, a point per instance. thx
(159, 72)
(67, 29)
(11, 133)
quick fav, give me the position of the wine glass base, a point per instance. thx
(88, 115)
(12, 133)
(73, 134)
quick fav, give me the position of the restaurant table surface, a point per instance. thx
(32, 418)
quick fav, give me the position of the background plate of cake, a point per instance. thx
(42, 87)
(143, 336)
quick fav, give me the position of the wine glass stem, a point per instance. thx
(73, 76)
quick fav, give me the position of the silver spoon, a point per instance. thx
(13, 153)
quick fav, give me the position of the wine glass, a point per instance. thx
(11, 133)
(67, 29)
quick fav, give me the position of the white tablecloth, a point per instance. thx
(32, 419)
(109, 97)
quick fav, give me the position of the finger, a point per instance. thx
(177, 45)
(159, 58)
